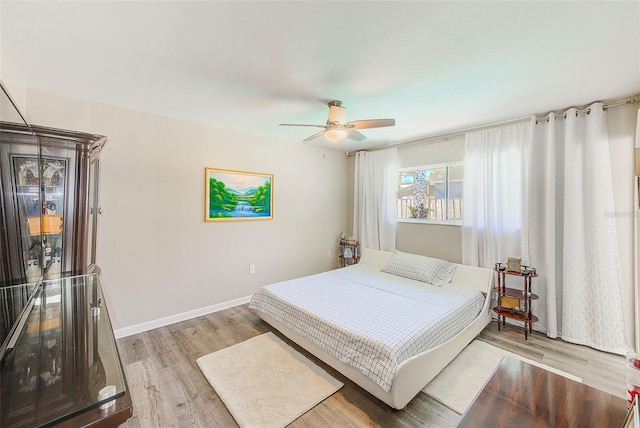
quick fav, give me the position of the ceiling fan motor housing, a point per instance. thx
(337, 115)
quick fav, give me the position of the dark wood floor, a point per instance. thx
(169, 390)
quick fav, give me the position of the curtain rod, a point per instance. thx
(586, 110)
(631, 101)
(459, 134)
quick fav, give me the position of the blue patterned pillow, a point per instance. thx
(426, 269)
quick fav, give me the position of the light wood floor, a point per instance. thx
(168, 389)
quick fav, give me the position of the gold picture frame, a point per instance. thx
(237, 195)
(514, 264)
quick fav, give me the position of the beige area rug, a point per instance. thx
(457, 385)
(266, 383)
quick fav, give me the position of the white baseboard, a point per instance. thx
(150, 325)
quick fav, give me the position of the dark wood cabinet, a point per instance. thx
(49, 204)
(523, 297)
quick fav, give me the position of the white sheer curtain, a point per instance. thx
(555, 178)
(574, 212)
(494, 222)
(374, 218)
(546, 190)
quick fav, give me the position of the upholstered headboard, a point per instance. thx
(477, 277)
(376, 258)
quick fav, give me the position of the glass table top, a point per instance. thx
(64, 359)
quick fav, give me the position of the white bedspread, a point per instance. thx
(368, 319)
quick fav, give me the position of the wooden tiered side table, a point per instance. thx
(525, 296)
(349, 252)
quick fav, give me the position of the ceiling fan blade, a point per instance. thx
(300, 124)
(371, 123)
(354, 135)
(316, 135)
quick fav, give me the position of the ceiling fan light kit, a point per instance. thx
(335, 135)
(338, 129)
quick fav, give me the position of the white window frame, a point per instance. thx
(430, 221)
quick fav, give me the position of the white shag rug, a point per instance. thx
(266, 383)
(457, 385)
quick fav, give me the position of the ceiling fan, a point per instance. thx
(338, 129)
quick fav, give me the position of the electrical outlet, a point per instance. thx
(329, 254)
(252, 269)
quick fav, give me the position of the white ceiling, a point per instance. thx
(435, 67)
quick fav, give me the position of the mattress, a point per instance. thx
(370, 320)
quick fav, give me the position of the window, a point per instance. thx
(432, 192)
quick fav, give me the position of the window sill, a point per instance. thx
(425, 221)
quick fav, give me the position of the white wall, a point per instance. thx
(13, 82)
(158, 256)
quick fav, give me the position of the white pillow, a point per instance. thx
(426, 269)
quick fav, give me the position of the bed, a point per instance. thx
(346, 318)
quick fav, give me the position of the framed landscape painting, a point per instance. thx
(237, 195)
